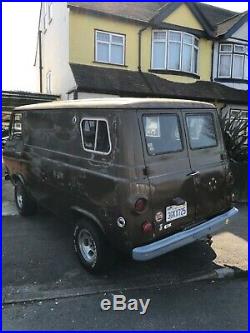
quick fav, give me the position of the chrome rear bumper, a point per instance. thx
(156, 249)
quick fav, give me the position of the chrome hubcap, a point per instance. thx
(19, 198)
(87, 246)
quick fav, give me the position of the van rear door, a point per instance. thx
(167, 164)
(208, 163)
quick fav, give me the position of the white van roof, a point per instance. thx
(120, 103)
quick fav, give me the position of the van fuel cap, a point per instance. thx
(121, 222)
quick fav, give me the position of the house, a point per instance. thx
(163, 49)
(230, 59)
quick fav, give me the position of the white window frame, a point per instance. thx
(243, 62)
(167, 51)
(96, 135)
(180, 55)
(110, 43)
(192, 52)
(232, 53)
(165, 41)
(48, 82)
(239, 45)
(225, 76)
(227, 44)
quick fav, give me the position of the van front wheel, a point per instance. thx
(91, 247)
(25, 204)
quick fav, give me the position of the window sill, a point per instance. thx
(109, 64)
(229, 79)
(171, 72)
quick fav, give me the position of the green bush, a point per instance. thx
(234, 129)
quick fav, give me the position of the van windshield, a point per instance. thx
(162, 133)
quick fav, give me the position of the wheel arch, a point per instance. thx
(78, 213)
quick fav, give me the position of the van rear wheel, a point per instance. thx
(25, 204)
(90, 244)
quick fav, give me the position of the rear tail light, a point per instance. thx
(147, 227)
(140, 205)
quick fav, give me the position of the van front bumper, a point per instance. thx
(156, 249)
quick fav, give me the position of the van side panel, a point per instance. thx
(63, 176)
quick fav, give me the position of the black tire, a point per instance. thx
(102, 257)
(25, 204)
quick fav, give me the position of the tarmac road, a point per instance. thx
(197, 306)
(39, 265)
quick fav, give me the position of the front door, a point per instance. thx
(168, 169)
(207, 159)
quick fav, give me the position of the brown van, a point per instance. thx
(141, 176)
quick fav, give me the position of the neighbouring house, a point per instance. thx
(160, 49)
(230, 60)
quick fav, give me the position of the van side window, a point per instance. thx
(95, 136)
(201, 131)
(16, 126)
(162, 133)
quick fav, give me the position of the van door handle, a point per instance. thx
(193, 173)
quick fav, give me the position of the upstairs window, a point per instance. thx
(233, 61)
(175, 50)
(109, 48)
(95, 136)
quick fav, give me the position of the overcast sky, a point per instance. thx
(19, 35)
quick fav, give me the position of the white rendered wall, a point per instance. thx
(55, 51)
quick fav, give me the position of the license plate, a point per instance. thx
(176, 212)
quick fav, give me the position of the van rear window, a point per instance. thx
(95, 136)
(162, 132)
(201, 131)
